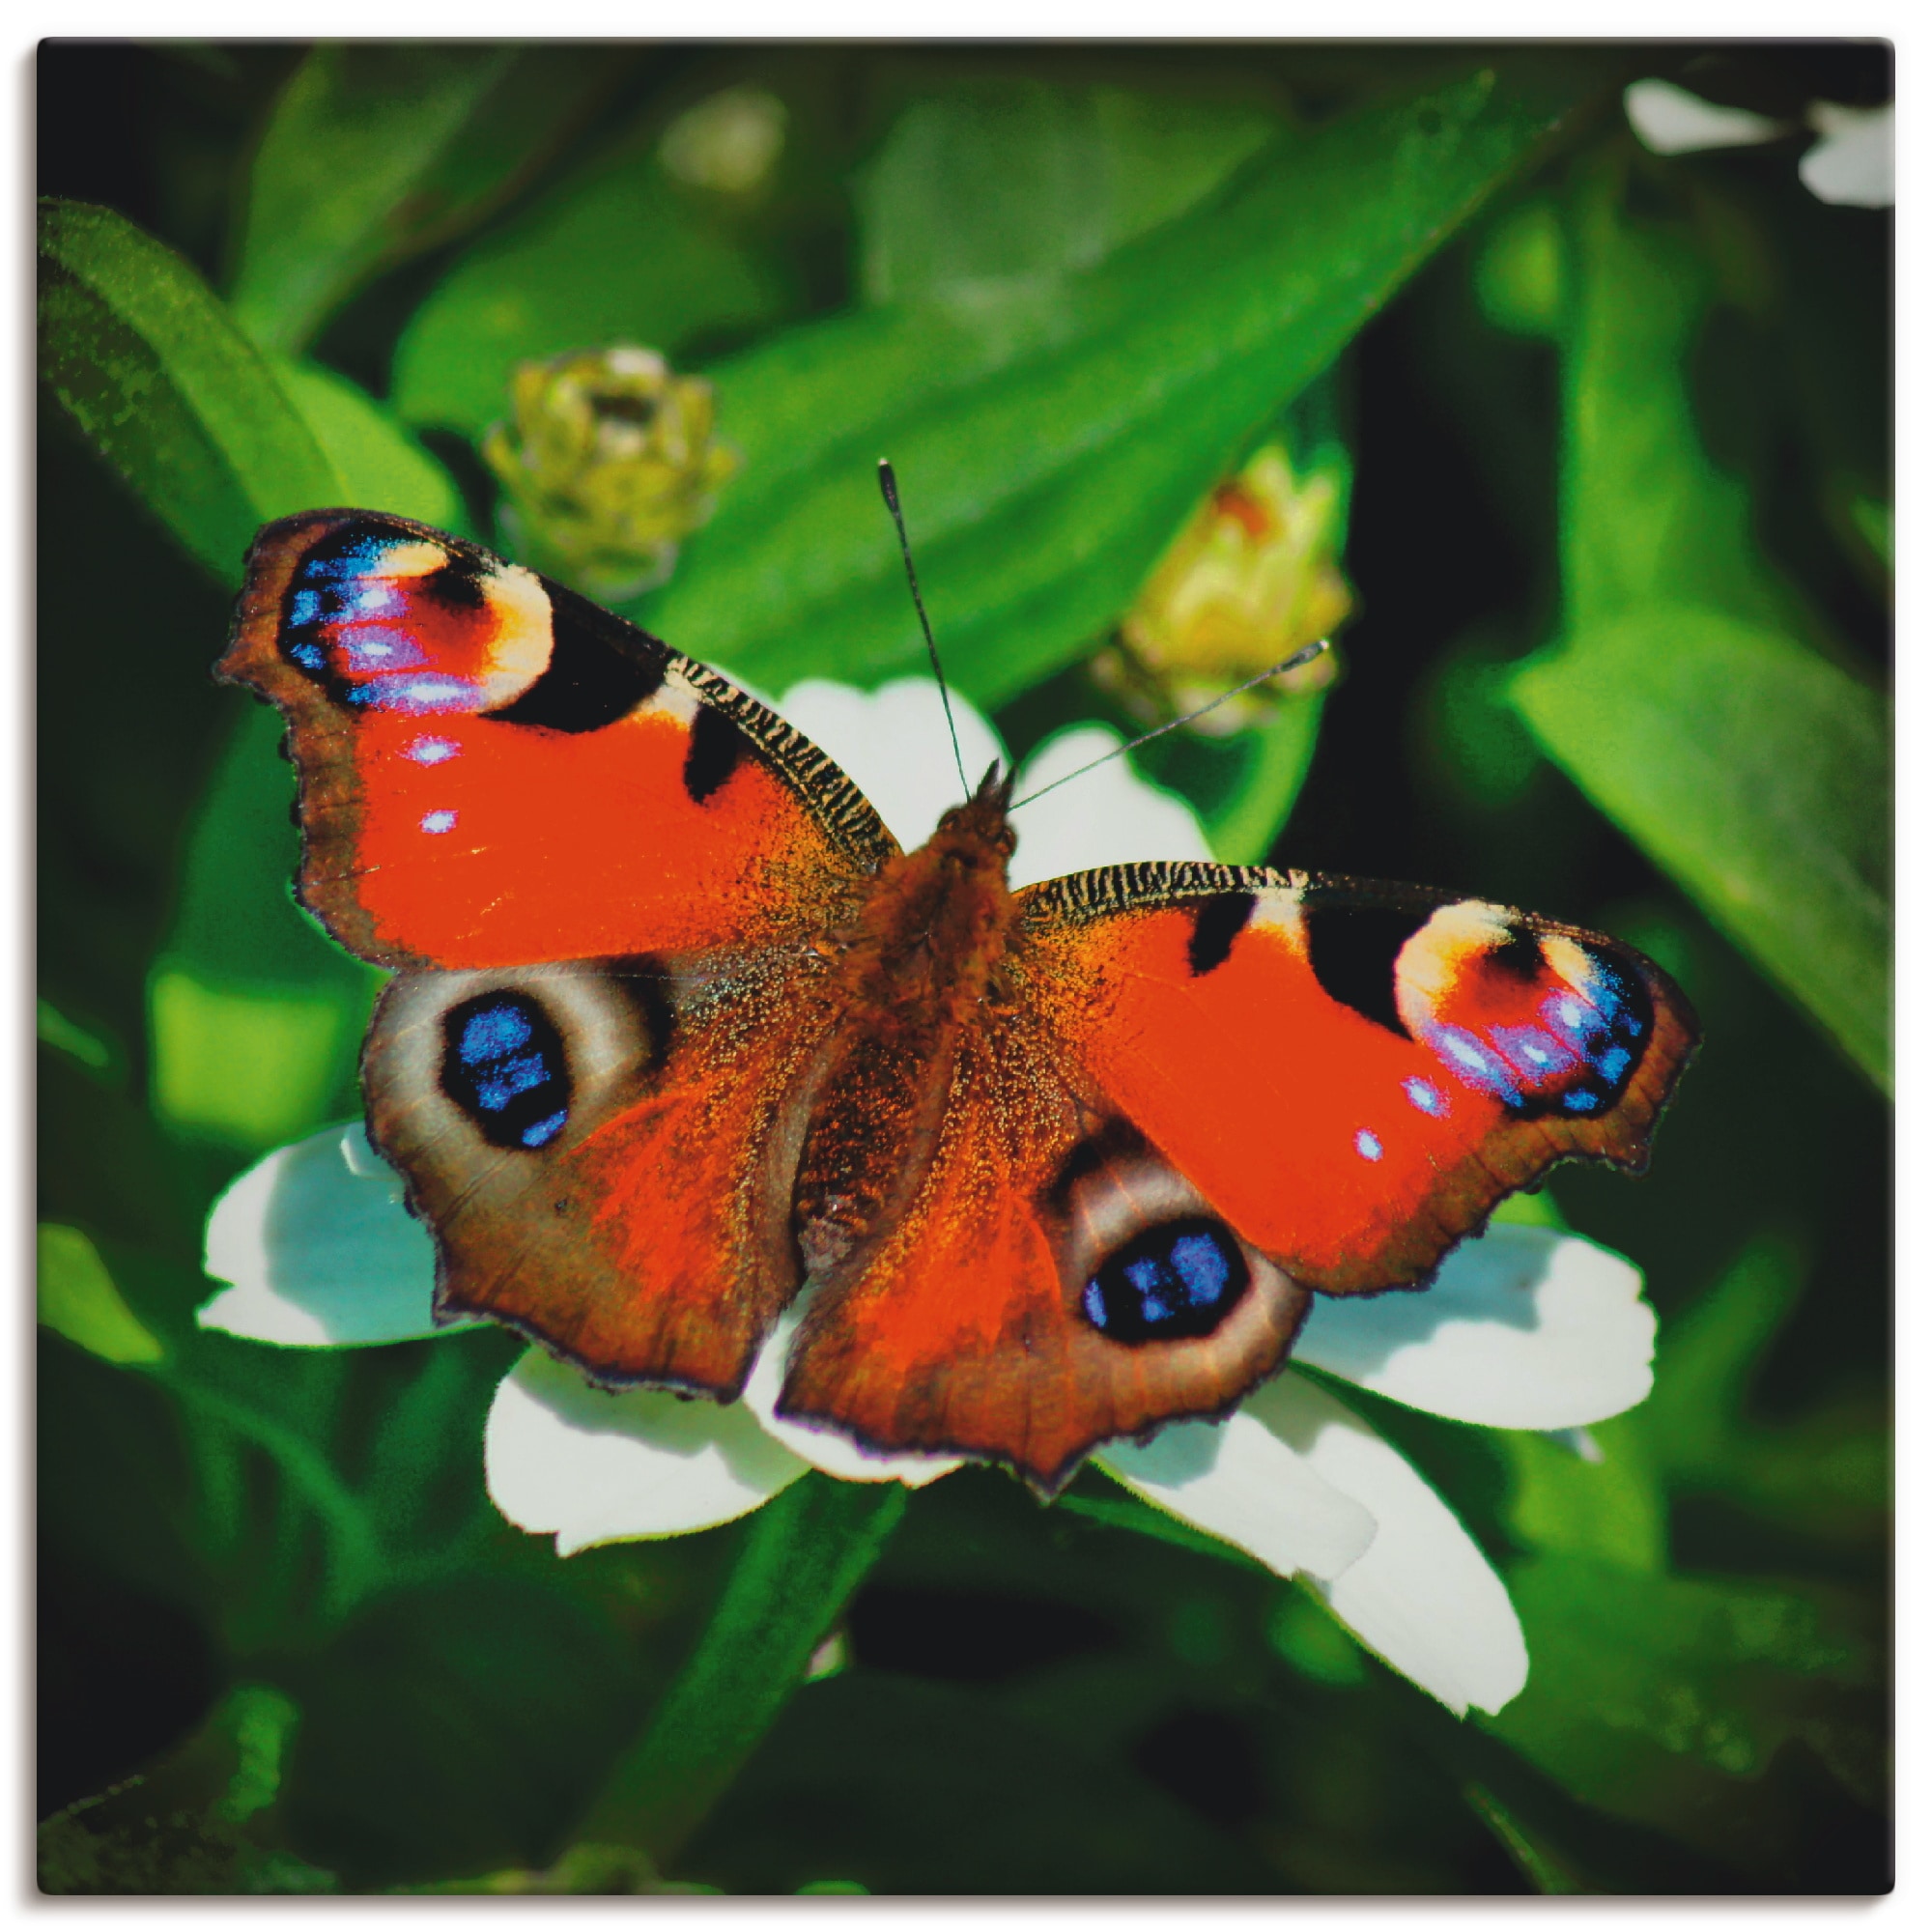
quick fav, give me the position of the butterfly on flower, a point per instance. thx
(682, 1044)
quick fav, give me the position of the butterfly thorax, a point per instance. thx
(921, 964)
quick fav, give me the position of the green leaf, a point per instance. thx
(807, 1552)
(1827, 1471)
(382, 466)
(1609, 1506)
(154, 373)
(76, 1297)
(1014, 178)
(1647, 513)
(377, 151)
(1663, 1699)
(1242, 787)
(618, 253)
(1050, 441)
(1754, 773)
(197, 1822)
(256, 1015)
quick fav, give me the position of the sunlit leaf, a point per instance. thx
(159, 380)
(382, 466)
(1048, 447)
(378, 150)
(76, 1297)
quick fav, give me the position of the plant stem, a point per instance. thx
(808, 1549)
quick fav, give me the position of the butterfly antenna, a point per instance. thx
(1307, 654)
(889, 488)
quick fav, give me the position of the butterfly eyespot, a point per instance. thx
(503, 1064)
(1176, 1282)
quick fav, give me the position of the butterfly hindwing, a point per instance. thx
(1053, 1283)
(604, 1148)
(493, 770)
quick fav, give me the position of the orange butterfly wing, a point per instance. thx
(494, 771)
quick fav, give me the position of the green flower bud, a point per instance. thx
(607, 465)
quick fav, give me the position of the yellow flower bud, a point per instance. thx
(606, 465)
(1252, 576)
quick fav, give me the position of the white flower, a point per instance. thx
(1525, 1327)
(1672, 119)
(1849, 164)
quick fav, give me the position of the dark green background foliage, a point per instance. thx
(1619, 436)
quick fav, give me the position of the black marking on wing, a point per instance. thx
(1217, 924)
(716, 750)
(1352, 952)
(644, 979)
(837, 805)
(1520, 954)
(1114, 1140)
(456, 584)
(590, 681)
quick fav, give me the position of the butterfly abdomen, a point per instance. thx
(915, 973)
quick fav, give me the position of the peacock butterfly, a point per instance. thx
(677, 1029)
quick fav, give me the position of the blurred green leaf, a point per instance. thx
(1242, 787)
(1657, 1697)
(1539, 1862)
(380, 149)
(1048, 445)
(1680, 699)
(382, 466)
(915, 1787)
(805, 1552)
(458, 1726)
(53, 1028)
(147, 362)
(200, 1821)
(619, 252)
(1014, 178)
(1758, 774)
(256, 1015)
(1827, 1471)
(76, 1297)
(1603, 1502)
(1648, 515)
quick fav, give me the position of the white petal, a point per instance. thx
(825, 1448)
(1242, 1482)
(1108, 817)
(1423, 1596)
(1852, 166)
(1524, 1328)
(320, 1249)
(1669, 121)
(561, 1456)
(892, 744)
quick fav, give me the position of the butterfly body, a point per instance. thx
(684, 1054)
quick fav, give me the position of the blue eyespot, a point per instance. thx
(504, 1064)
(1171, 1283)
